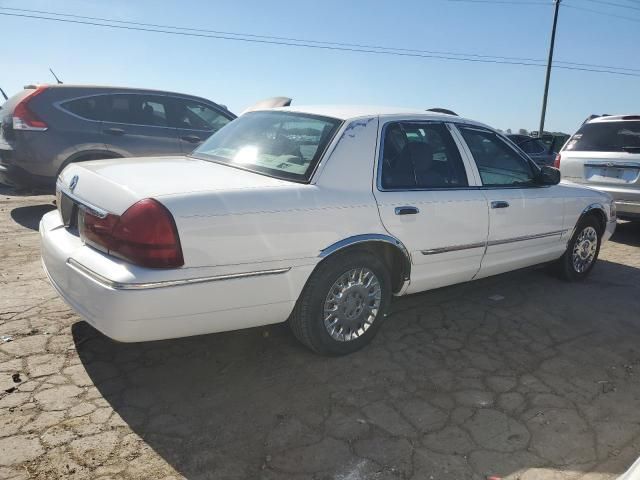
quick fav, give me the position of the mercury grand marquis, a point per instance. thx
(315, 215)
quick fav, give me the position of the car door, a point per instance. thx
(195, 122)
(428, 200)
(137, 125)
(526, 220)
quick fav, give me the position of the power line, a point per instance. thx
(603, 2)
(238, 37)
(631, 19)
(507, 2)
(322, 42)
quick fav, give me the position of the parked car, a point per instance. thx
(535, 148)
(45, 128)
(605, 154)
(316, 214)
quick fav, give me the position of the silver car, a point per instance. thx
(605, 154)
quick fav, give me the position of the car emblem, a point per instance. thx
(74, 182)
(609, 164)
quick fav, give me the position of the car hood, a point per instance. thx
(116, 184)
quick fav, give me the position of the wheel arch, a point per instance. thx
(85, 155)
(596, 210)
(392, 251)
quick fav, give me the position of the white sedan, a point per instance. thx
(317, 215)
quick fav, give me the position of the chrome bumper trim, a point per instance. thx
(90, 274)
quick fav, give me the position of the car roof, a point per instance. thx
(615, 118)
(352, 112)
(117, 89)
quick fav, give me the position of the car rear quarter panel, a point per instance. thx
(289, 224)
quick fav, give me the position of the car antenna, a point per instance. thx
(4, 94)
(55, 76)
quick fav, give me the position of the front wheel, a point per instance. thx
(342, 306)
(582, 250)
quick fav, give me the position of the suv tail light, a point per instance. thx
(23, 116)
(144, 235)
(556, 162)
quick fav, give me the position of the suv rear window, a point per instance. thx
(606, 137)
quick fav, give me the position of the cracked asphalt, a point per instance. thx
(520, 376)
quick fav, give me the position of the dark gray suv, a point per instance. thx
(43, 128)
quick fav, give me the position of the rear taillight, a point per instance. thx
(145, 235)
(23, 116)
(556, 162)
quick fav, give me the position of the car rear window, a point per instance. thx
(606, 137)
(279, 144)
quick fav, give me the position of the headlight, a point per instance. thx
(612, 210)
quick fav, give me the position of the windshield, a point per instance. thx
(279, 144)
(606, 137)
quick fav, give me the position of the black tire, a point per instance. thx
(566, 267)
(307, 319)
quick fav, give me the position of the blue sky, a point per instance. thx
(239, 73)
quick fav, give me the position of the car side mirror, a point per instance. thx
(548, 176)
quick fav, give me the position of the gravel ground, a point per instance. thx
(518, 376)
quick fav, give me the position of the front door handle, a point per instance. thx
(499, 204)
(191, 138)
(408, 210)
(114, 131)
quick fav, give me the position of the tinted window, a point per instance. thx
(497, 162)
(136, 109)
(607, 137)
(420, 156)
(196, 116)
(280, 144)
(532, 146)
(90, 107)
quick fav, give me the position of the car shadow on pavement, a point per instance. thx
(508, 374)
(30, 216)
(627, 233)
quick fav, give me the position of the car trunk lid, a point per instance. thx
(114, 185)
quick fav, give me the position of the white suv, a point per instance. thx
(605, 154)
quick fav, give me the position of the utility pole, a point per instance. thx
(549, 61)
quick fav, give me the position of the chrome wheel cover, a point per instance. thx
(584, 249)
(352, 304)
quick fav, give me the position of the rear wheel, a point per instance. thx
(582, 250)
(342, 306)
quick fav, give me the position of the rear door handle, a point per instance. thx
(191, 138)
(115, 131)
(499, 204)
(406, 210)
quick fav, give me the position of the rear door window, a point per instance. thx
(133, 109)
(607, 137)
(420, 156)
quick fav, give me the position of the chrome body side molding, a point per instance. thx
(525, 237)
(78, 267)
(456, 248)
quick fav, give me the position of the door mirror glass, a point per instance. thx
(548, 176)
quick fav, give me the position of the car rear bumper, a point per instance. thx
(17, 177)
(131, 309)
